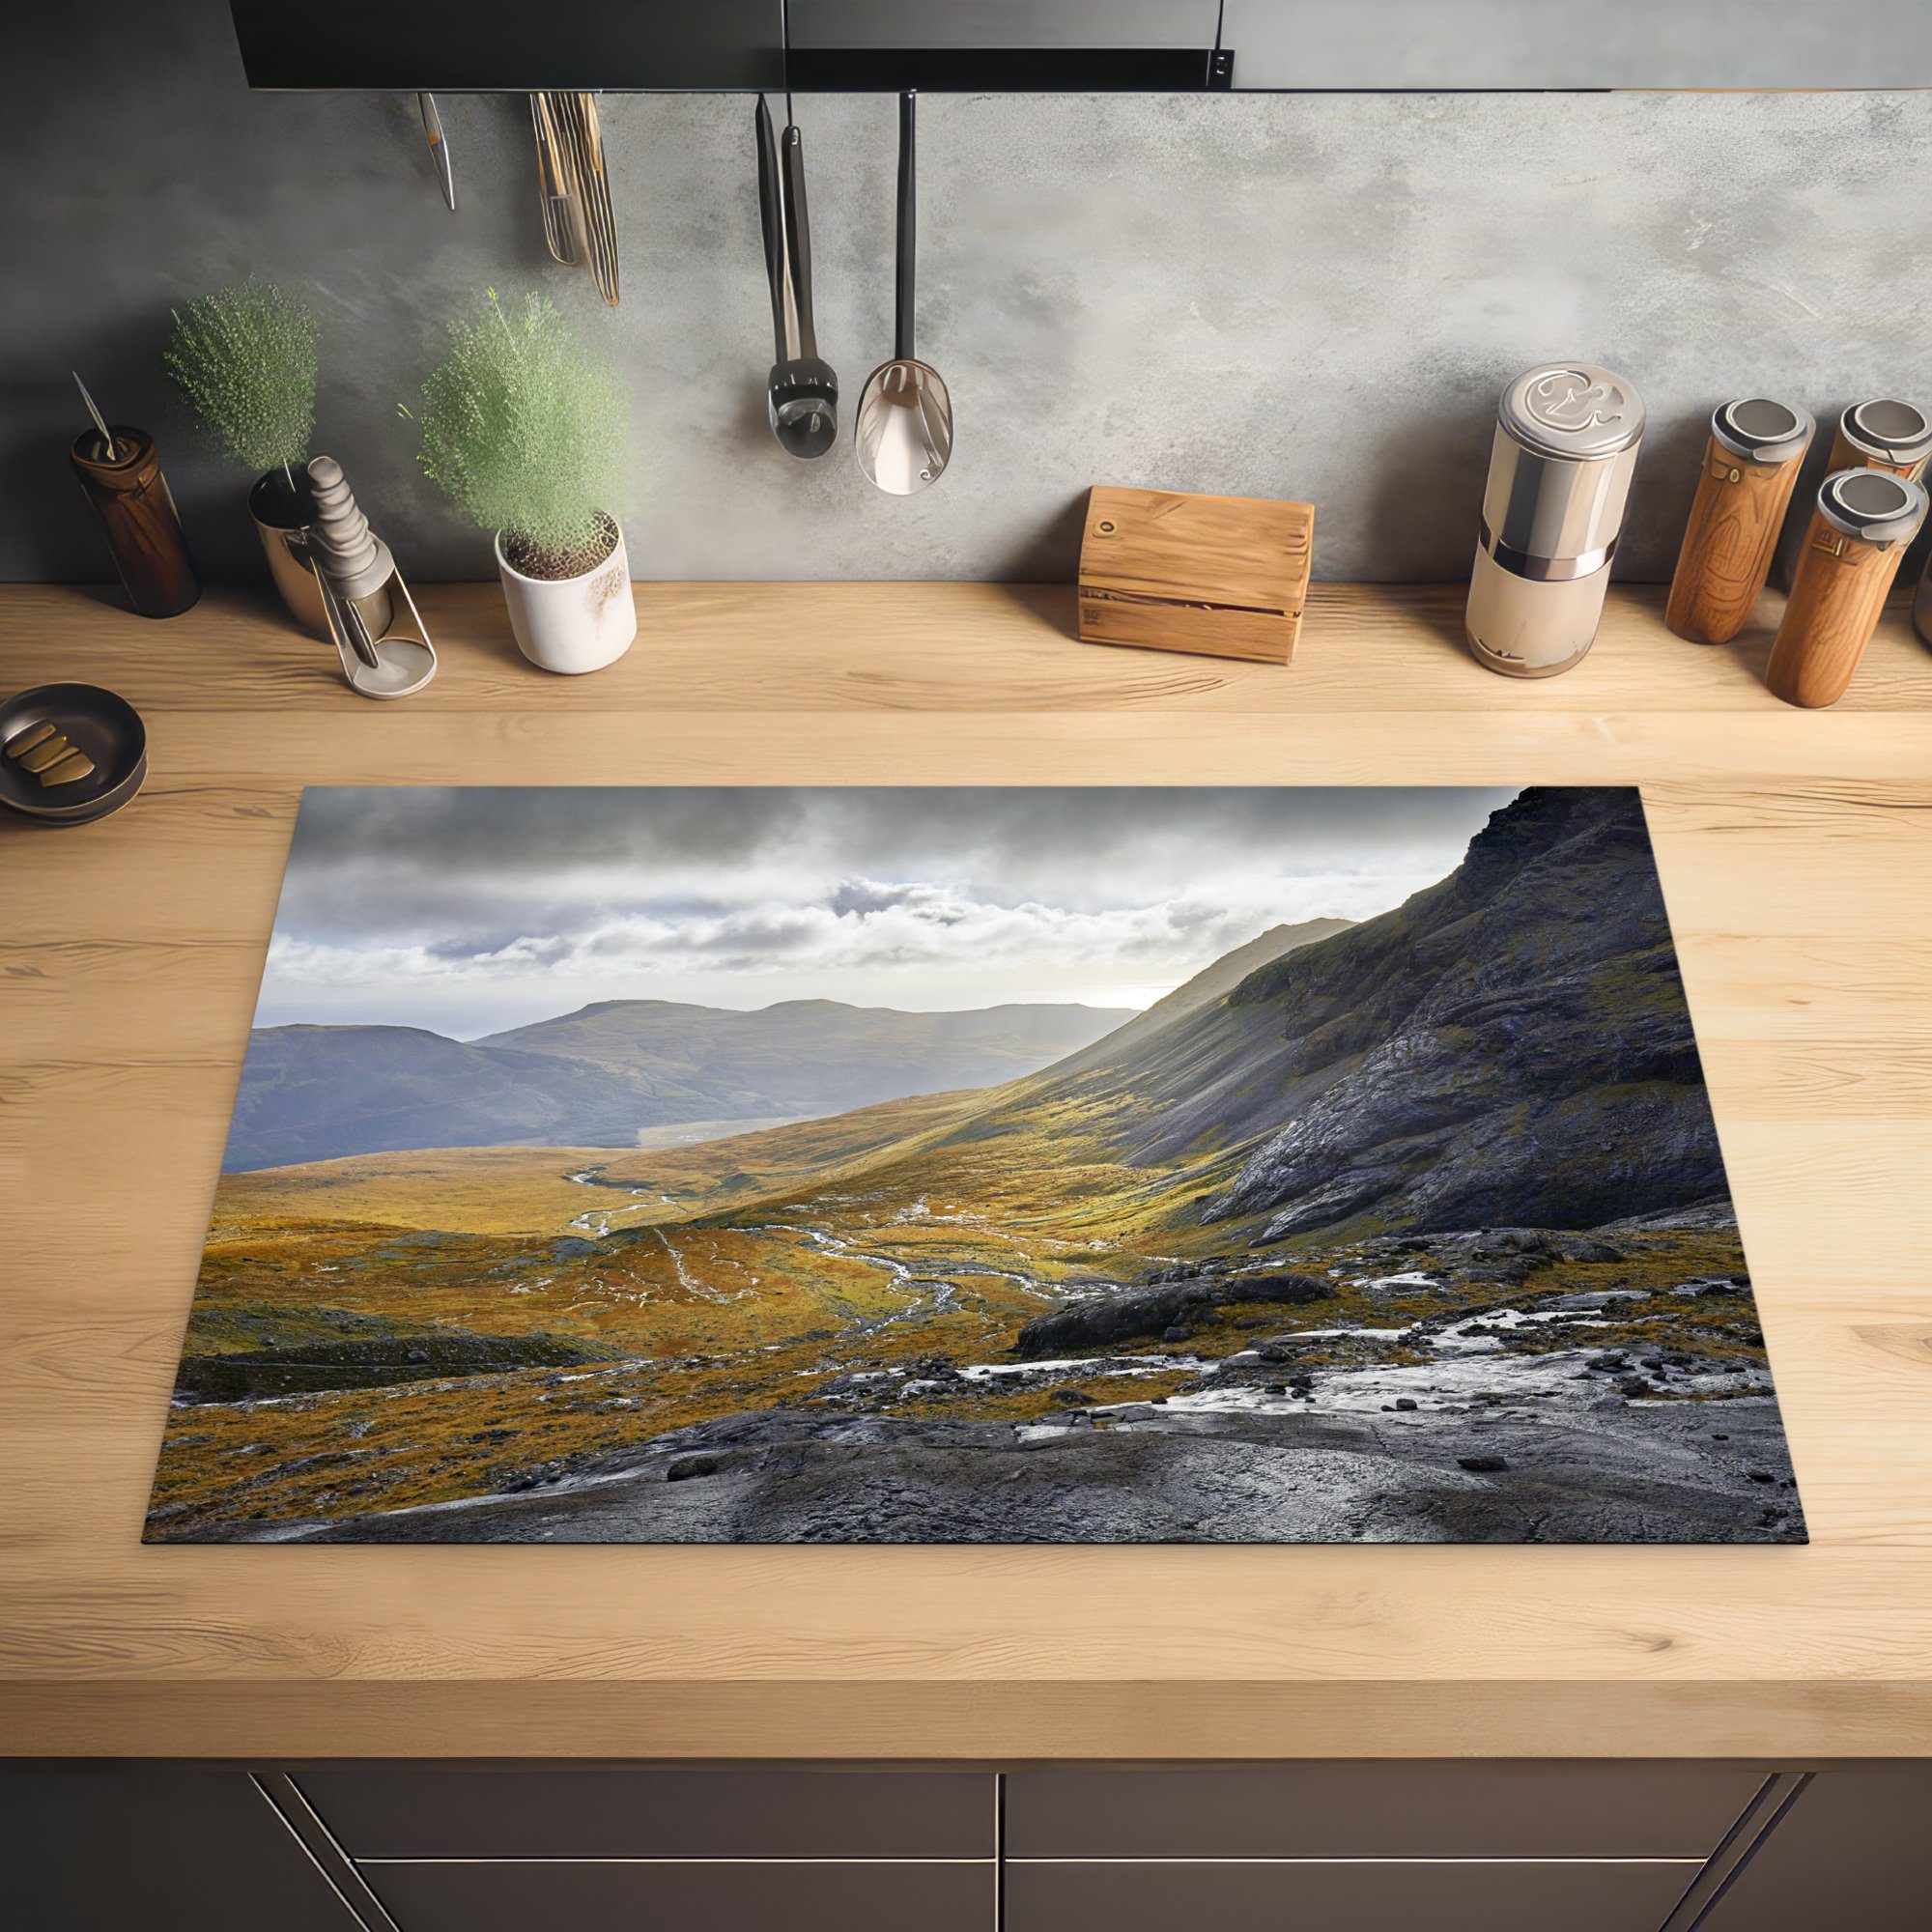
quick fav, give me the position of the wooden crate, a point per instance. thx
(1222, 576)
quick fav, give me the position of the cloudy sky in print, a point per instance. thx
(468, 910)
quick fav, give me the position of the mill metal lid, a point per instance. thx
(1762, 430)
(1892, 431)
(1572, 411)
(1873, 505)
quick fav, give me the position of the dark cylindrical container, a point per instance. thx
(131, 496)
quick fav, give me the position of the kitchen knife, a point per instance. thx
(563, 225)
(438, 148)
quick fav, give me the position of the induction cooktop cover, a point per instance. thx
(652, 1165)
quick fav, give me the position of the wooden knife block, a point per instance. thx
(1222, 576)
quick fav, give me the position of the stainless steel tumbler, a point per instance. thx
(1567, 440)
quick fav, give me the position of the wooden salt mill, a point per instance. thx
(1860, 530)
(1751, 467)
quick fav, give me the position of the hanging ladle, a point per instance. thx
(903, 435)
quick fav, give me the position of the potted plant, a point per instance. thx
(524, 429)
(244, 357)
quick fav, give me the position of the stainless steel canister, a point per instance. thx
(1566, 442)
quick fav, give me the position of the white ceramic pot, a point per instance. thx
(572, 623)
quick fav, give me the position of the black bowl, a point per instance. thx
(106, 727)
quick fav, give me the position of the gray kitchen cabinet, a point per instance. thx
(1577, 44)
(1365, 1809)
(1854, 1851)
(620, 1812)
(655, 1895)
(346, 1846)
(1468, 1895)
(157, 1847)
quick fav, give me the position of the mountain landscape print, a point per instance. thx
(1010, 1165)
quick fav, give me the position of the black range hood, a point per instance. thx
(1079, 46)
(820, 47)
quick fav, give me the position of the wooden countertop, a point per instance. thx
(1795, 851)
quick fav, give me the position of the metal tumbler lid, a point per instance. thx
(1762, 430)
(1872, 504)
(1892, 431)
(1572, 411)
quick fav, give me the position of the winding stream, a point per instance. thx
(597, 1222)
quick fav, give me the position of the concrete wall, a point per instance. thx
(1270, 294)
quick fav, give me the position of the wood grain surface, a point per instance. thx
(1728, 542)
(1836, 602)
(1796, 852)
(1226, 576)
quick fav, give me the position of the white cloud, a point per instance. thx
(866, 929)
(469, 911)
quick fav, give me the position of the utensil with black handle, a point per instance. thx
(802, 394)
(904, 435)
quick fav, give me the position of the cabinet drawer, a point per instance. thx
(103, 1847)
(461, 1811)
(1527, 1896)
(661, 1896)
(1853, 1851)
(1347, 1811)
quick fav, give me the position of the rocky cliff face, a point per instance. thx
(1207, 989)
(1510, 1046)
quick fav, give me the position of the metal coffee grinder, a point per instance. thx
(1566, 442)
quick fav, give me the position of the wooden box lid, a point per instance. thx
(1226, 576)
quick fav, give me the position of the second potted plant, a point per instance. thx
(524, 429)
(245, 360)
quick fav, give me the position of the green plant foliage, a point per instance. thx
(245, 360)
(524, 428)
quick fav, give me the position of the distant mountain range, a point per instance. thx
(595, 1078)
(803, 1057)
(1510, 1046)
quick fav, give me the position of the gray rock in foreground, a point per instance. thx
(1602, 1472)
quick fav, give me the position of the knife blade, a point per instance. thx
(563, 226)
(583, 146)
(438, 148)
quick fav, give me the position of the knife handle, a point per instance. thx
(798, 243)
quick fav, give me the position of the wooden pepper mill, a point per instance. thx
(1883, 435)
(122, 477)
(1863, 522)
(1751, 467)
